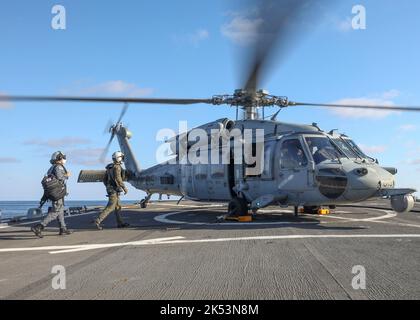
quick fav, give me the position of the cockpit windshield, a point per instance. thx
(346, 148)
(322, 149)
(356, 149)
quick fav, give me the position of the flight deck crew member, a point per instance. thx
(57, 169)
(114, 186)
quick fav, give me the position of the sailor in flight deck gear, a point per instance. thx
(114, 186)
(58, 160)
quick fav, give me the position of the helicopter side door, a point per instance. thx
(292, 166)
(211, 181)
(262, 182)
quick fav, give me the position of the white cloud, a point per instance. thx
(408, 127)
(383, 99)
(372, 149)
(242, 30)
(194, 38)
(117, 87)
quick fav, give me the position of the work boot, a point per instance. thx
(97, 224)
(37, 229)
(64, 231)
(123, 225)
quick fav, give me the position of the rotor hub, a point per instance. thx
(251, 102)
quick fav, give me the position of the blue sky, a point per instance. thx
(188, 48)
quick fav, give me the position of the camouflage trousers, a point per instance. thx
(56, 212)
(113, 205)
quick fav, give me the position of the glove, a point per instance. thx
(125, 191)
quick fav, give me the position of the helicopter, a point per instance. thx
(295, 164)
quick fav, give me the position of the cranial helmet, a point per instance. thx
(118, 156)
(57, 156)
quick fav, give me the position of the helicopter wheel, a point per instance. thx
(143, 204)
(238, 207)
(311, 209)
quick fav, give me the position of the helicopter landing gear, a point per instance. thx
(311, 209)
(145, 201)
(143, 204)
(237, 207)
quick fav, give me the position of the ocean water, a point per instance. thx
(11, 209)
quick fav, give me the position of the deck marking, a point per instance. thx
(388, 214)
(163, 218)
(96, 212)
(89, 246)
(182, 240)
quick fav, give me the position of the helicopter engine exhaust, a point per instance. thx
(403, 203)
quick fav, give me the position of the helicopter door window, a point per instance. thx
(292, 155)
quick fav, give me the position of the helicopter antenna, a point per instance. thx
(274, 116)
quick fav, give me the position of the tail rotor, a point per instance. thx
(112, 131)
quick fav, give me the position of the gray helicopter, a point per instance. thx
(295, 165)
(301, 165)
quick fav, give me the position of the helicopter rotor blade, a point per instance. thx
(374, 107)
(123, 112)
(102, 99)
(279, 24)
(108, 127)
(105, 152)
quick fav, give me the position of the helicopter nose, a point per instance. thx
(364, 182)
(354, 184)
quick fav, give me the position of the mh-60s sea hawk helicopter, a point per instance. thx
(301, 164)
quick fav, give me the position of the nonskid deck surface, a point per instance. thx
(189, 252)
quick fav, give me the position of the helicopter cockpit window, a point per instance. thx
(346, 148)
(322, 149)
(357, 149)
(292, 155)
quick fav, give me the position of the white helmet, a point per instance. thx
(57, 156)
(118, 156)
